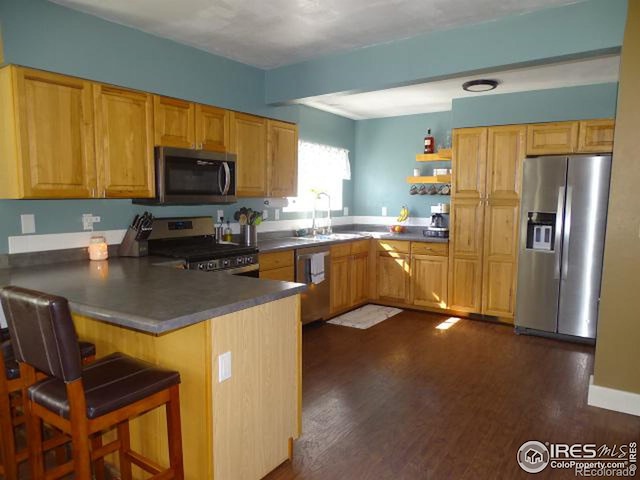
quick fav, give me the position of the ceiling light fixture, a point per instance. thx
(482, 85)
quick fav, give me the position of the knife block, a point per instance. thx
(130, 247)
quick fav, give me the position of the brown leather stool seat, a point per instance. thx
(110, 383)
(87, 350)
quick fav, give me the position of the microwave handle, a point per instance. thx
(227, 178)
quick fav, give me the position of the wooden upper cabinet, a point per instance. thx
(552, 138)
(212, 128)
(469, 162)
(55, 133)
(174, 122)
(596, 136)
(505, 157)
(124, 142)
(282, 147)
(248, 142)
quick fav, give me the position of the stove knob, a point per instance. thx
(201, 266)
(225, 263)
(248, 260)
(211, 266)
(240, 260)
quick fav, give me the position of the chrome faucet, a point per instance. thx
(314, 227)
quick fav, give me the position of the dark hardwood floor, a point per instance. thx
(403, 400)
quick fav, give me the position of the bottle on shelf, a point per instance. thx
(429, 142)
(227, 233)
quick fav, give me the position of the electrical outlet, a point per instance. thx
(265, 214)
(384, 211)
(220, 214)
(224, 367)
(345, 211)
(88, 219)
(276, 214)
(28, 223)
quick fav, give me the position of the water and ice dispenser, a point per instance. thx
(541, 230)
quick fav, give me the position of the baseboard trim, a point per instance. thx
(612, 399)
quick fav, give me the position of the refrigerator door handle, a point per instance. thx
(558, 239)
(566, 234)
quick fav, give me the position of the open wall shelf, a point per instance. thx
(432, 179)
(443, 155)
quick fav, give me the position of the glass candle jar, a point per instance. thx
(98, 249)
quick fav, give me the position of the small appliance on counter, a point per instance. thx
(134, 243)
(439, 226)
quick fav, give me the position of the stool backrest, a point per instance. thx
(42, 332)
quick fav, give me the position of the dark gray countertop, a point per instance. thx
(138, 293)
(288, 243)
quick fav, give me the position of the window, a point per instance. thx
(321, 168)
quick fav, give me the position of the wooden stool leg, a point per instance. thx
(98, 464)
(34, 443)
(80, 442)
(125, 447)
(174, 433)
(7, 442)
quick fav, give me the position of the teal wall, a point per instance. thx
(43, 35)
(387, 146)
(570, 103)
(387, 150)
(579, 30)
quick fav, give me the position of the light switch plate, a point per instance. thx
(224, 367)
(88, 219)
(220, 214)
(384, 211)
(28, 223)
(265, 214)
(345, 211)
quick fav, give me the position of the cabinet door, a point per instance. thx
(174, 122)
(124, 142)
(55, 118)
(500, 259)
(249, 143)
(393, 274)
(552, 138)
(429, 281)
(359, 282)
(505, 156)
(469, 162)
(212, 128)
(596, 136)
(340, 295)
(283, 159)
(466, 246)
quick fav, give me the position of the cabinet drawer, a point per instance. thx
(426, 248)
(393, 246)
(361, 246)
(340, 250)
(284, 274)
(271, 261)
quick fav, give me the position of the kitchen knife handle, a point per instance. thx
(558, 239)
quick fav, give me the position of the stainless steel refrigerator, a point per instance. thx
(562, 230)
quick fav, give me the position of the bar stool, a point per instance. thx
(84, 402)
(12, 407)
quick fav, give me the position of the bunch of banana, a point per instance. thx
(404, 214)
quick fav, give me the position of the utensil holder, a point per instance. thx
(131, 246)
(248, 235)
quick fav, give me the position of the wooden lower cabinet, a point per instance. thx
(359, 274)
(284, 274)
(340, 284)
(466, 285)
(277, 266)
(393, 273)
(429, 281)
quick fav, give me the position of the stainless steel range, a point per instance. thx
(192, 239)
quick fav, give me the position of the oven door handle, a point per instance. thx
(227, 178)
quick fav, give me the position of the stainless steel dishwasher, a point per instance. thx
(315, 301)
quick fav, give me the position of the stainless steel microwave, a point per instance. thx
(193, 177)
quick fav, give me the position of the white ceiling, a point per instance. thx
(271, 33)
(437, 96)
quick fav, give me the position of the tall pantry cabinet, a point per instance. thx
(487, 179)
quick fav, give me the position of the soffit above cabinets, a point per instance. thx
(278, 32)
(437, 96)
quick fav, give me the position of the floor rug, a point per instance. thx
(365, 317)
